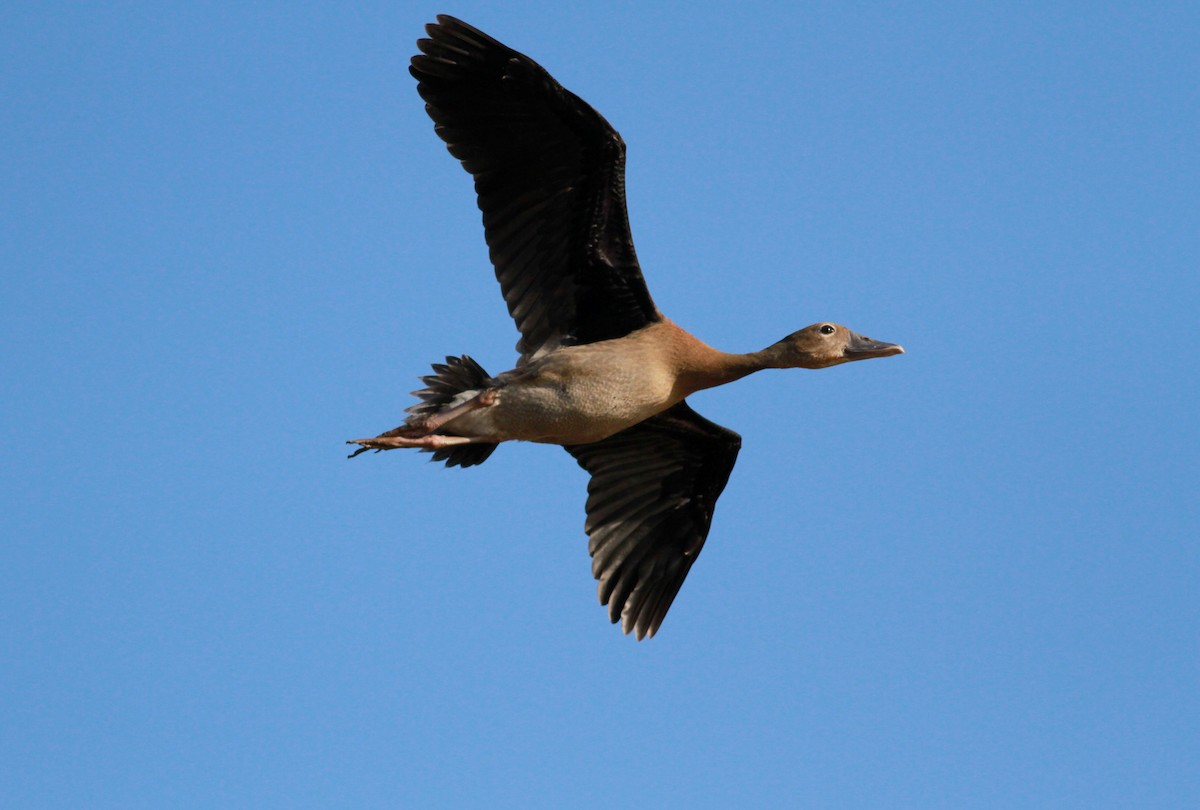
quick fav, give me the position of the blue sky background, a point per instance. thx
(964, 577)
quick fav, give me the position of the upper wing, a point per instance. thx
(650, 504)
(550, 175)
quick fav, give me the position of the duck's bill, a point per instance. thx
(862, 348)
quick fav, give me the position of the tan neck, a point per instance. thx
(701, 366)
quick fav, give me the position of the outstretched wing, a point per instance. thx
(550, 175)
(650, 504)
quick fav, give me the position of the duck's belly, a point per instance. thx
(585, 410)
(561, 405)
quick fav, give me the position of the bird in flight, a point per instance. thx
(600, 370)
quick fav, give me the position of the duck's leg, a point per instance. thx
(432, 422)
(385, 442)
(420, 432)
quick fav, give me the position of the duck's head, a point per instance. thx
(828, 344)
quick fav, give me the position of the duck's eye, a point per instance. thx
(827, 330)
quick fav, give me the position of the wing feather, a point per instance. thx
(550, 178)
(650, 505)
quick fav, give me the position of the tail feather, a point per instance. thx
(463, 455)
(456, 380)
(453, 382)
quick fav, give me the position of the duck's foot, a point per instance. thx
(386, 442)
(419, 432)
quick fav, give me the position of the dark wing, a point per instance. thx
(650, 504)
(550, 175)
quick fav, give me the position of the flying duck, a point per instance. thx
(600, 370)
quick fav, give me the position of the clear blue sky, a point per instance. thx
(964, 577)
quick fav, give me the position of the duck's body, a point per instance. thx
(602, 371)
(582, 394)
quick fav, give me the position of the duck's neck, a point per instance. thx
(706, 367)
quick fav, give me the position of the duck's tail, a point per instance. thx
(452, 383)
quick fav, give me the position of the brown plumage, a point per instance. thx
(601, 371)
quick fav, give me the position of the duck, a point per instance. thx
(600, 370)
